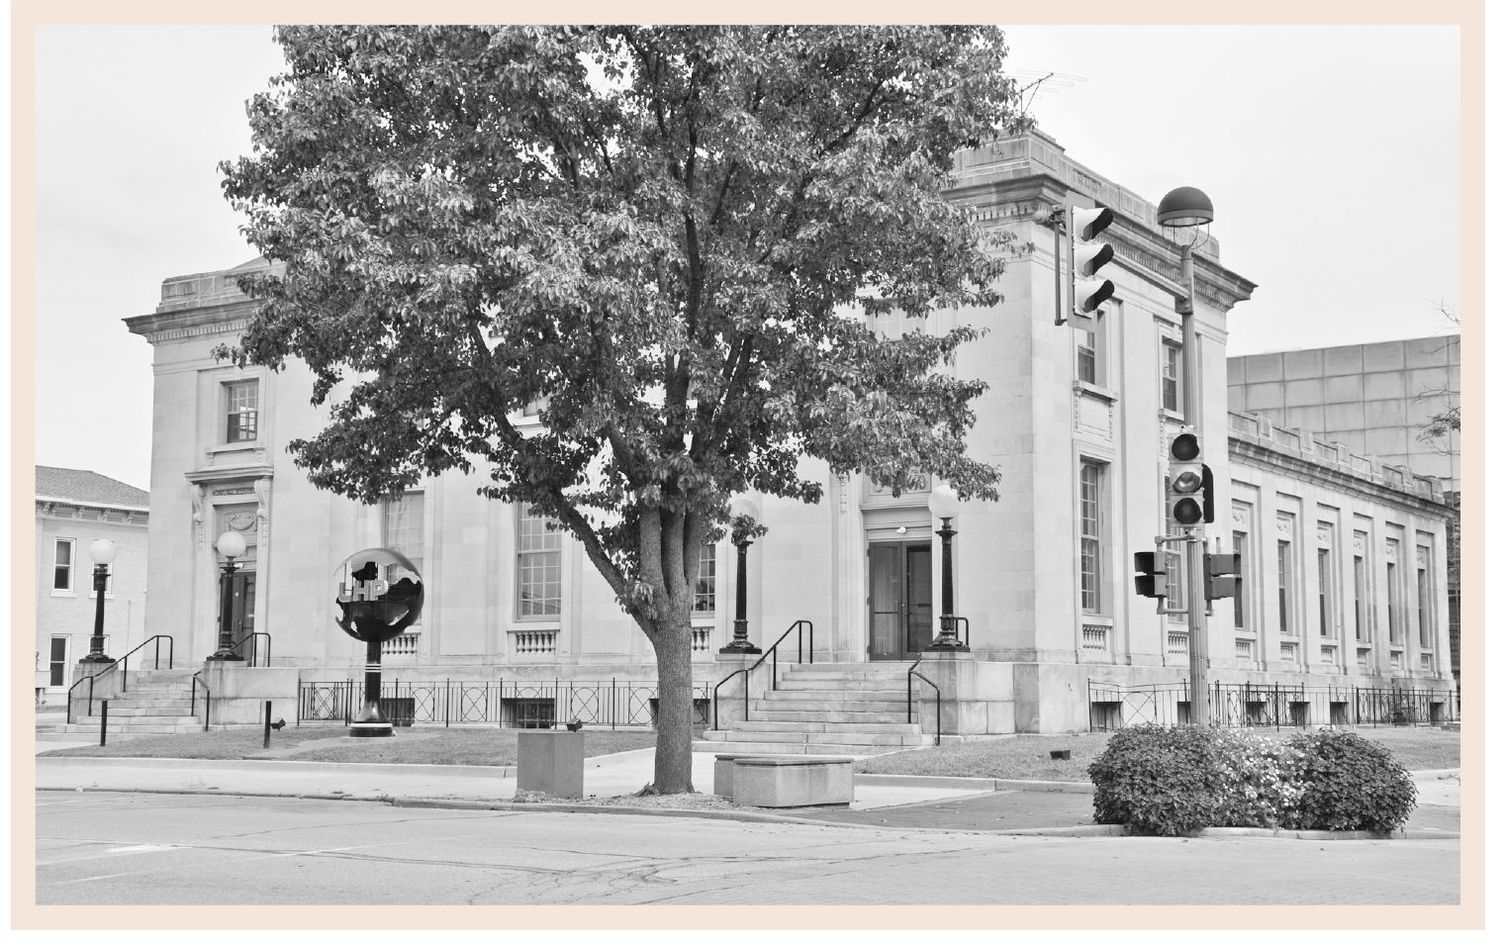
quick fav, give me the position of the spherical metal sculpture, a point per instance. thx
(380, 594)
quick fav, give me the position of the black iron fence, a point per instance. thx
(518, 703)
(1249, 704)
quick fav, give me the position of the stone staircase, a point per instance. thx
(825, 709)
(155, 702)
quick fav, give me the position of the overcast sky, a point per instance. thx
(1331, 156)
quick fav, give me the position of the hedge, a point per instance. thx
(1172, 781)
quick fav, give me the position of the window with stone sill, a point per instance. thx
(705, 584)
(539, 567)
(1170, 375)
(242, 410)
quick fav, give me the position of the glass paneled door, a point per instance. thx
(901, 600)
(243, 607)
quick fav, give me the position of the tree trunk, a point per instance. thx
(672, 763)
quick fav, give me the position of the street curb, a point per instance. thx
(287, 766)
(748, 816)
(980, 784)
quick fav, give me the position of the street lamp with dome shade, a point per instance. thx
(743, 528)
(102, 552)
(1185, 214)
(946, 505)
(230, 545)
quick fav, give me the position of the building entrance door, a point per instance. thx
(242, 606)
(900, 600)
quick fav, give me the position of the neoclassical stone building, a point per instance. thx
(1077, 419)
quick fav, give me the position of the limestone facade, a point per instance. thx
(1077, 422)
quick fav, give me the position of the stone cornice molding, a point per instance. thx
(219, 319)
(219, 475)
(1138, 249)
(1322, 476)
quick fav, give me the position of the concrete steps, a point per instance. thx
(154, 702)
(845, 709)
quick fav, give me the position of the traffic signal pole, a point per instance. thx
(1195, 544)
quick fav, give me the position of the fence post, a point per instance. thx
(104, 719)
(446, 702)
(266, 727)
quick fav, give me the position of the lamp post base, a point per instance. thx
(224, 655)
(370, 729)
(370, 723)
(100, 659)
(952, 645)
(741, 647)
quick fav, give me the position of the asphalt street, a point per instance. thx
(107, 848)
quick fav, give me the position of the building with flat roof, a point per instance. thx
(1078, 420)
(1375, 399)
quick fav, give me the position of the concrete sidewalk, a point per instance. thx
(943, 803)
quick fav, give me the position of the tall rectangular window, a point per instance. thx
(57, 661)
(1360, 598)
(1283, 569)
(1174, 583)
(1087, 342)
(1091, 536)
(1423, 595)
(1324, 590)
(1392, 586)
(241, 409)
(62, 565)
(539, 576)
(1240, 547)
(402, 530)
(1170, 375)
(705, 584)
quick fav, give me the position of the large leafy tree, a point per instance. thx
(672, 235)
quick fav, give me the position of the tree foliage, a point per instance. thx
(1440, 428)
(671, 235)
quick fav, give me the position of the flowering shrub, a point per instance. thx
(1169, 781)
(1349, 783)
(1156, 781)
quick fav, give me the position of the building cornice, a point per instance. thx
(1138, 248)
(212, 320)
(1323, 475)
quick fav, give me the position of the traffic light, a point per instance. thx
(1089, 255)
(1151, 580)
(1190, 498)
(1222, 572)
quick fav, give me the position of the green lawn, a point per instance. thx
(417, 745)
(1024, 757)
(1027, 756)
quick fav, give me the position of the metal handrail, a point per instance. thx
(966, 622)
(914, 673)
(123, 662)
(253, 636)
(715, 695)
(193, 698)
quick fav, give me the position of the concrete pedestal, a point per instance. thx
(797, 781)
(551, 762)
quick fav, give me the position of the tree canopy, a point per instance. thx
(671, 237)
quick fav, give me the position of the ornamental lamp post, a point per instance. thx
(230, 545)
(946, 505)
(102, 552)
(744, 526)
(1184, 215)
